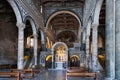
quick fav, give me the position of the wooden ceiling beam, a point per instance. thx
(51, 1)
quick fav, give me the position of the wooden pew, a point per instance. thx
(80, 73)
(37, 71)
(25, 73)
(16, 75)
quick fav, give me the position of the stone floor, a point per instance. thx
(52, 75)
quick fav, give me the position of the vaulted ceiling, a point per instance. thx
(65, 22)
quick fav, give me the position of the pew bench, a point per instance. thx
(80, 73)
(25, 73)
(16, 75)
(37, 71)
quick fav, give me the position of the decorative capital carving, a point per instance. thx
(21, 26)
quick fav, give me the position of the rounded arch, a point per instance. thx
(74, 60)
(48, 57)
(53, 49)
(33, 25)
(35, 37)
(48, 61)
(97, 12)
(60, 12)
(16, 11)
(59, 43)
(78, 58)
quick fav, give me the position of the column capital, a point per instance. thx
(87, 36)
(21, 26)
(45, 29)
(35, 35)
(43, 42)
(95, 25)
(81, 29)
(88, 32)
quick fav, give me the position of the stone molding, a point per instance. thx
(21, 26)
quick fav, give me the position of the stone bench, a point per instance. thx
(16, 75)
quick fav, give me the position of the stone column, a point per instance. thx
(43, 43)
(83, 60)
(87, 51)
(110, 40)
(88, 45)
(94, 48)
(79, 34)
(83, 33)
(35, 48)
(117, 39)
(52, 58)
(21, 27)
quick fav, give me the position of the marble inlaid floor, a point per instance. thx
(52, 75)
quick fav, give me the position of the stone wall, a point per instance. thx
(76, 8)
(8, 39)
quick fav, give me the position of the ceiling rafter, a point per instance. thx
(56, 1)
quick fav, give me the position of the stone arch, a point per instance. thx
(59, 43)
(33, 25)
(35, 35)
(16, 11)
(48, 61)
(97, 12)
(74, 60)
(48, 57)
(75, 56)
(60, 12)
(53, 49)
(68, 12)
(8, 42)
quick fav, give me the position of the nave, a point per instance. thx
(58, 34)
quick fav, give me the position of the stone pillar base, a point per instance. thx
(106, 78)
